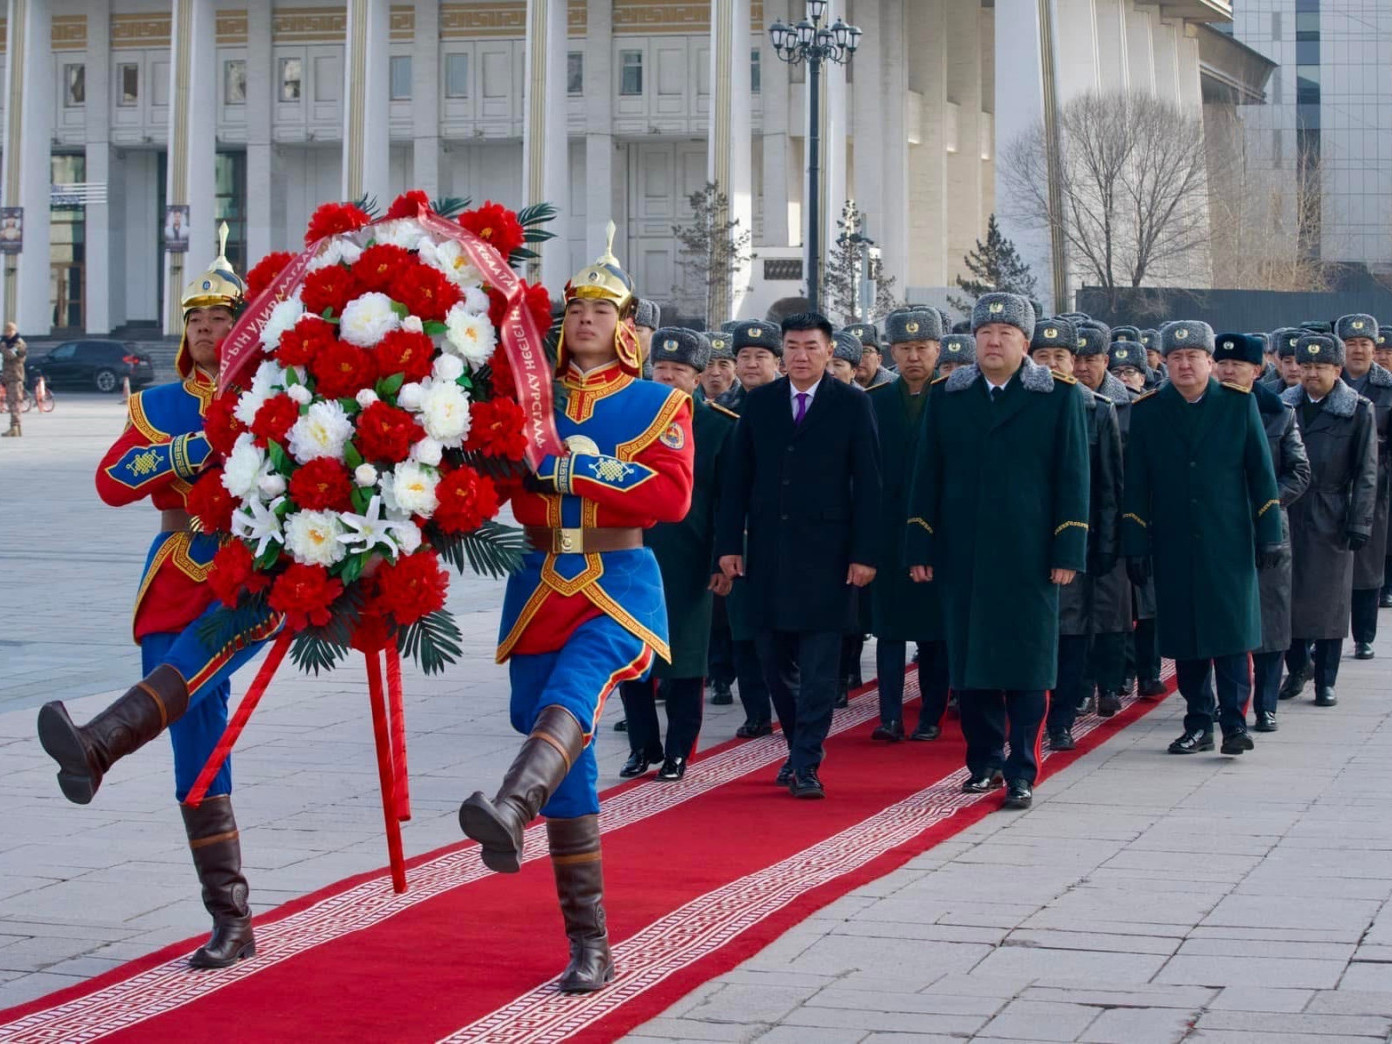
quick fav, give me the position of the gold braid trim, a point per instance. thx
(1134, 518)
(1081, 525)
(1267, 507)
(920, 522)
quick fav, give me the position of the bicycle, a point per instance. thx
(39, 395)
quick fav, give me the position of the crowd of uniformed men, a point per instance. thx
(1044, 507)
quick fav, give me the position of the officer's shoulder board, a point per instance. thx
(1143, 398)
(877, 387)
(1236, 387)
(1063, 377)
(1104, 398)
(939, 380)
(723, 409)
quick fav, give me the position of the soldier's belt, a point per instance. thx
(175, 520)
(583, 541)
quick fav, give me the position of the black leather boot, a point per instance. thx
(546, 756)
(86, 753)
(217, 855)
(577, 861)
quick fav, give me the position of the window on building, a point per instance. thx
(234, 82)
(401, 77)
(1276, 25)
(1307, 25)
(74, 86)
(291, 79)
(631, 73)
(1278, 148)
(127, 84)
(755, 72)
(456, 76)
(67, 247)
(575, 72)
(328, 78)
(1307, 84)
(229, 186)
(1307, 52)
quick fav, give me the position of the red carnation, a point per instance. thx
(335, 217)
(386, 433)
(504, 383)
(538, 301)
(495, 429)
(220, 424)
(342, 370)
(306, 339)
(264, 272)
(467, 500)
(425, 292)
(401, 351)
(210, 503)
(408, 204)
(379, 265)
(496, 225)
(323, 484)
(274, 420)
(234, 571)
(497, 307)
(304, 593)
(329, 289)
(411, 587)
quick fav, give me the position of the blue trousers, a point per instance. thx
(1234, 684)
(990, 717)
(579, 677)
(208, 673)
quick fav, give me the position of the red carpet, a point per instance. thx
(700, 875)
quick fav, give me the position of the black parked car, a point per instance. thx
(92, 364)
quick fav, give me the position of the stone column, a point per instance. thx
(964, 168)
(835, 131)
(367, 101)
(775, 83)
(425, 97)
(729, 143)
(892, 230)
(545, 137)
(28, 172)
(260, 152)
(599, 118)
(928, 197)
(97, 215)
(1140, 50)
(1165, 47)
(192, 146)
(1076, 64)
(868, 119)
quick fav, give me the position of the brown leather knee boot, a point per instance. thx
(577, 861)
(86, 753)
(217, 856)
(555, 742)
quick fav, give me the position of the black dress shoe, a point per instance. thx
(637, 765)
(1266, 721)
(1018, 796)
(1086, 705)
(621, 725)
(1362, 650)
(1152, 687)
(843, 699)
(1237, 743)
(672, 770)
(1385, 599)
(1108, 703)
(891, 733)
(1061, 739)
(806, 785)
(1294, 684)
(983, 784)
(754, 729)
(785, 774)
(722, 696)
(1324, 696)
(1192, 743)
(924, 733)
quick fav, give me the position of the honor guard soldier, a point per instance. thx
(1201, 510)
(585, 612)
(1334, 519)
(685, 557)
(187, 680)
(1238, 361)
(958, 350)
(1287, 369)
(1368, 379)
(998, 516)
(901, 610)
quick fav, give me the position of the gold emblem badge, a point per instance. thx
(1227, 344)
(673, 437)
(755, 332)
(1314, 349)
(1050, 331)
(911, 327)
(1181, 334)
(1082, 342)
(1122, 353)
(996, 307)
(1358, 324)
(670, 345)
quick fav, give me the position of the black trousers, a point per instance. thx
(990, 717)
(1327, 653)
(1266, 680)
(1147, 651)
(720, 654)
(1196, 681)
(1365, 612)
(802, 670)
(1387, 573)
(890, 664)
(1107, 661)
(852, 647)
(683, 702)
(1072, 685)
(753, 683)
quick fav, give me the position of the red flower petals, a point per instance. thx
(408, 204)
(386, 433)
(335, 217)
(425, 291)
(411, 587)
(341, 370)
(220, 424)
(210, 503)
(304, 593)
(329, 289)
(274, 420)
(411, 354)
(233, 572)
(495, 429)
(467, 500)
(264, 272)
(496, 225)
(380, 264)
(303, 341)
(323, 484)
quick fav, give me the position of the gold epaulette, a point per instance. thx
(877, 387)
(1142, 398)
(723, 409)
(1064, 377)
(1236, 387)
(939, 380)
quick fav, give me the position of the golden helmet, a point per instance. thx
(219, 286)
(605, 280)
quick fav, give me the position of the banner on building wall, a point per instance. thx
(11, 230)
(176, 228)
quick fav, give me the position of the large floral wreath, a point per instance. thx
(378, 434)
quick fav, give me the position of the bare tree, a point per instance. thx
(1132, 182)
(851, 261)
(709, 250)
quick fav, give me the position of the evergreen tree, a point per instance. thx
(709, 250)
(848, 261)
(994, 265)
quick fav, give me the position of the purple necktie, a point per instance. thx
(801, 408)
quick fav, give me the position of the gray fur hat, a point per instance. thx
(913, 324)
(1054, 333)
(1150, 340)
(1356, 325)
(1320, 348)
(1126, 353)
(1285, 340)
(1125, 333)
(729, 325)
(846, 345)
(1092, 339)
(753, 333)
(958, 347)
(1186, 333)
(648, 314)
(1004, 308)
(720, 345)
(1242, 347)
(866, 332)
(1264, 340)
(680, 345)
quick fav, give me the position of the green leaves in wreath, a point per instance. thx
(324, 648)
(432, 641)
(491, 550)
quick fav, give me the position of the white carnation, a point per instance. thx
(283, 316)
(408, 396)
(339, 250)
(311, 537)
(248, 403)
(449, 257)
(448, 368)
(388, 488)
(408, 535)
(444, 412)
(271, 485)
(269, 376)
(366, 397)
(368, 319)
(321, 432)
(475, 301)
(365, 475)
(300, 393)
(406, 233)
(427, 451)
(469, 336)
(245, 468)
(413, 488)
(413, 324)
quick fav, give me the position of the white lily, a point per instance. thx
(371, 530)
(257, 521)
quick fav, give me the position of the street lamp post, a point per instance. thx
(811, 42)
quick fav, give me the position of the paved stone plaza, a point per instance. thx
(1144, 898)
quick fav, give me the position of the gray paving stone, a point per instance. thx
(1259, 998)
(1285, 1022)
(1140, 1026)
(1252, 971)
(1350, 1002)
(1038, 963)
(1040, 1020)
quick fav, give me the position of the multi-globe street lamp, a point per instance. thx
(811, 42)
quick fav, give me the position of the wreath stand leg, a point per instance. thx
(398, 735)
(386, 770)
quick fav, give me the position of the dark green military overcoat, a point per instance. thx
(1200, 497)
(999, 499)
